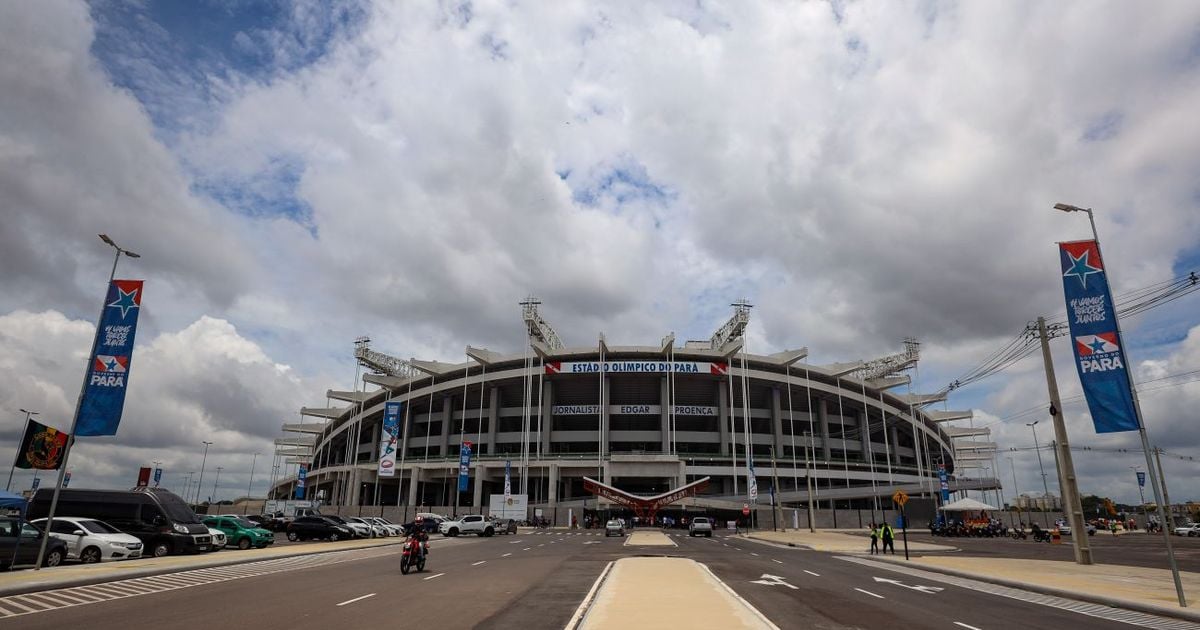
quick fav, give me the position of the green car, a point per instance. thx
(241, 532)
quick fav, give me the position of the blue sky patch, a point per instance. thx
(271, 192)
(623, 183)
(1105, 127)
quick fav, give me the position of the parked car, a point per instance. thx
(260, 520)
(470, 524)
(321, 527)
(241, 532)
(504, 526)
(89, 540)
(219, 540)
(1190, 529)
(373, 530)
(429, 523)
(700, 526)
(614, 527)
(389, 528)
(20, 542)
(161, 520)
(357, 530)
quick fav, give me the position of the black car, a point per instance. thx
(161, 520)
(307, 527)
(23, 548)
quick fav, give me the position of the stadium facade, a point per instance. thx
(645, 419)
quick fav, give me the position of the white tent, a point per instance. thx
(966, 505)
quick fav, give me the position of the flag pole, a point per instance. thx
(62, 468)
(17, 455)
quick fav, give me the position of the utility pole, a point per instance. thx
(1045, 488)
(1170, 524)
(776, 513)
(1066, 469)
(812, 528)
(1016, 491)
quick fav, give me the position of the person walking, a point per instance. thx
(874, 539)
(889, 538)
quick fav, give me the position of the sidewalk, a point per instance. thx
(1137, 588)
(837, 542)
(28, 580)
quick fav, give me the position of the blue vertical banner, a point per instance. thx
(1141, 479)
(944, 481)
(1101, 362)
(301, 477)
(37, 481)
(157, 476)
(464, 465)
(390, 439)
(67, 479)
(108, 367)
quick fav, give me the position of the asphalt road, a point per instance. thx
(535, 581)
(1138, 550)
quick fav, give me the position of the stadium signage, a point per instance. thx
(635, 367)
(631, 410)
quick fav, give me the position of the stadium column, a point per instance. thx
(605, 420)
(547, 417)
(414, 481)
(777, 419)
(823, 419)
(664, 420)
(864, 434)
(493, 418)
(447, 420)
(723, 415)
(480, 471)
(895, 454)
(552, 491)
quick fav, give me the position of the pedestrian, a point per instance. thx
(574, 522)
(874, 539)
(889, 538)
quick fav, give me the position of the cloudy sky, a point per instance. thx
(298, 174)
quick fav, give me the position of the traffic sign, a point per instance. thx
(901, 497)
(745, 509)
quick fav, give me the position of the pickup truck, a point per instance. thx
(700, 526)
(471, 524)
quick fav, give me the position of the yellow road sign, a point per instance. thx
(901, 497)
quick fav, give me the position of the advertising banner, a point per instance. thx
(464, 465)
(36, 482)
(108, 367)
(143, 477)
(41, 448)
(639, 367)
(67, 479)
(507, 481)
(944, 481)
(632, 410)
(389, 439)
(301, 477)
(1141, 479)
(1093, 322)
(157, 476)
(751, 481)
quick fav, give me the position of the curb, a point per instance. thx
(1113, 602)
(26, 588)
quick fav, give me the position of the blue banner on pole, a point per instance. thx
(1099, 358)
(157, 476)
(37, 481)
(944, 481)
(464, 465)
(1141, 478)
(301, 476)
(507, 481)
(108, 367)
(67, 479)
(390, 439)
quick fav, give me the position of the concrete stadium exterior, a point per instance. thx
(655, 417)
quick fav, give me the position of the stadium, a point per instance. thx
(844, 436)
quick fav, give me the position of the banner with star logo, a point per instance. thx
(108, 370)
(1101, 362)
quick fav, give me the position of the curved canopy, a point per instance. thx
(12, 501)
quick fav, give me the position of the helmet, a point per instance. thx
(420, 519)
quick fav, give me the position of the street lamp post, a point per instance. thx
(62, 467)
(203, 461)
(250, 485)
(27, 413)
(216, 484)
(1137, 409)
(1045, 488)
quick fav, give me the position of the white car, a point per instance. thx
(218, 538)
(374, 529)
(361, 530)
(89, 540)
(1191, 529)
(470, 524)
(389, 528)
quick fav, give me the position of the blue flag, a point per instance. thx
(1101, 362)
(301, 476)
(944, 482)
(1141, 478)
(464, 465)
(108, 367)
(157, 476)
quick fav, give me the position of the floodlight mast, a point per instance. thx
(538, 328)
(381, 363)
(734, 327)
(891, 364)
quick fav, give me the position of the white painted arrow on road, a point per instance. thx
(773, 580)
(923, 589)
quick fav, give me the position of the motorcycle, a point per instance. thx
(1018, 534)
(411, 556)
(1041, 535)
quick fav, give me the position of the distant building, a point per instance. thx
(1037, 501)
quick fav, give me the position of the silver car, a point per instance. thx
(615, 527)
(700, 526)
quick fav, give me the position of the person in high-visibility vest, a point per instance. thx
(889, 539)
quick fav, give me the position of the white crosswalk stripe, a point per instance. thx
(33, 603)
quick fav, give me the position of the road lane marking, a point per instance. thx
(475, 564)
(923, 589)
(527, 549)
(959, 623)
(737, 548)
(356, 599)
(753, 554)
(811, 573)
(506, 555)
(774, 580)
(577, 618)
(516, 541)
(774, 560)
(541, 545)
(763, 618)
(438, 575)
(869, 593)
